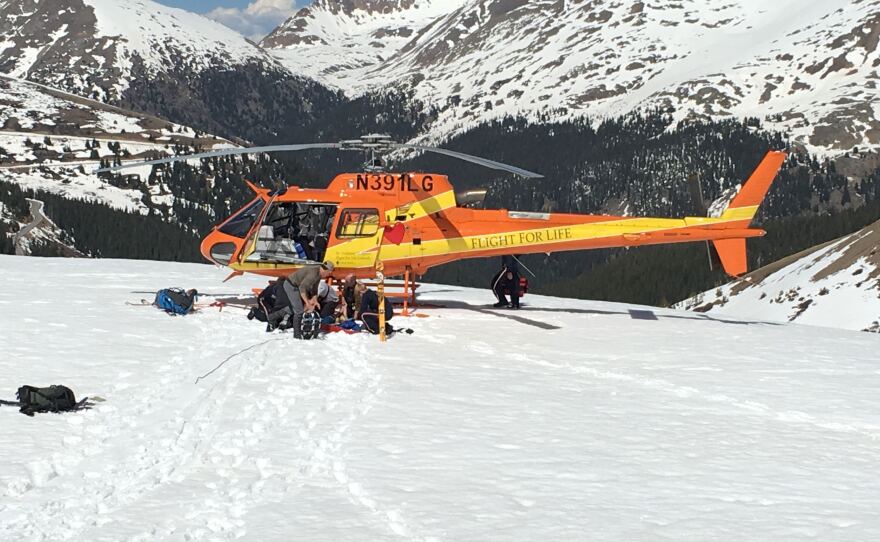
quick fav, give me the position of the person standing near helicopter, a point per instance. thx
(300, 291)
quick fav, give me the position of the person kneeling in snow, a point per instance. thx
(348, 296)
(368, 310)
(506, 281)
(267, 302)
(328, 299)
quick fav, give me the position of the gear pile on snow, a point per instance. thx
(51, 399)
(176, 300)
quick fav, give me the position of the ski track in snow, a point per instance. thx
(609, 426)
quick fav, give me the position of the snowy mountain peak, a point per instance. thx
(92, 47)
(809, 69)
(341, 35)
(366, 6)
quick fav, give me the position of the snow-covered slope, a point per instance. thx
(836, 284)
(95, 47)
(568, 420)
(809, 68)
(336, 42)
(40, 125)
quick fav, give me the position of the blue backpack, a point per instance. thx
(176, 300)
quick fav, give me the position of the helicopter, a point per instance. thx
(404, 223)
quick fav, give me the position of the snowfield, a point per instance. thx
(568, 420)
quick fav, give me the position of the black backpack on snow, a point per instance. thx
(51, 399)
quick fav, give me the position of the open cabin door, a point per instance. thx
(249, 240)
(356, 238)
(290, 233)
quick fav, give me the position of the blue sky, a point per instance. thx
(253, 18)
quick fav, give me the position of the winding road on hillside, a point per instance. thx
(37, 218)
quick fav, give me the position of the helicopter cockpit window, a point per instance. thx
(240, 224)
(358, 223)
(294, 231)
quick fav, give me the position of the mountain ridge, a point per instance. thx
(808, 70)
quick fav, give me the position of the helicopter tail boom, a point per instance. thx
(745, 204)
(741, 211)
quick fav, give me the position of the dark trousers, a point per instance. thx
(260, 313)
(501, 285)
(514, 290)
(293, 306)
(371, 324)
(328, 308)
(498, 287)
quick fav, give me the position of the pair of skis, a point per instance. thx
(219, 304)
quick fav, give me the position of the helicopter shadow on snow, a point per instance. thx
(636, 314)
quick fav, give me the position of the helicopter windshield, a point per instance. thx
(240, 224)
(294, 232)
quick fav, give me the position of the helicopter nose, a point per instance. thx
(221, 253)
(218, 248)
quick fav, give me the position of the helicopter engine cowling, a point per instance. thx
(471, 198)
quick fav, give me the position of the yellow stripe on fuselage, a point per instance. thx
(739, 213)
(539, 236)
(422, 208)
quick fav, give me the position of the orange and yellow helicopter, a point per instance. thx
(411, 222)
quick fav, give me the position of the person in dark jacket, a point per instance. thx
(368, 312)
(348, 295)
(267, 302)
(507, 281)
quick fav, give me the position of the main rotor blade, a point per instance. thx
(473, 159)
(223, 152)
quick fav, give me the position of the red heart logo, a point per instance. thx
(394, 234)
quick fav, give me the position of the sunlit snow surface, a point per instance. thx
(617, 423)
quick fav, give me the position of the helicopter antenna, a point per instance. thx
(373, 146)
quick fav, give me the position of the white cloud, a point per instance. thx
(258, 19)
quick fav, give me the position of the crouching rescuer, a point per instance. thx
(368, 310)
(299, 295)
